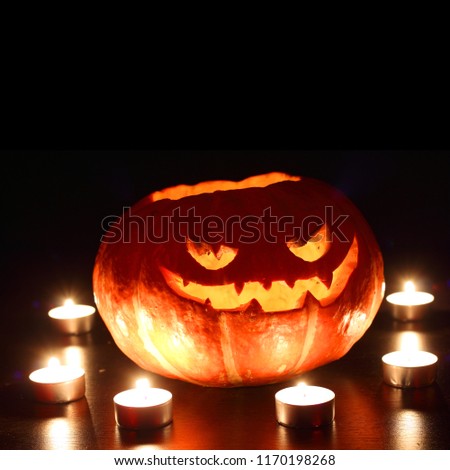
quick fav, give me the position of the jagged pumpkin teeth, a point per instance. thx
(290, 282)
(327, 280)
(242, 305)
(238, 286)
(280, 297)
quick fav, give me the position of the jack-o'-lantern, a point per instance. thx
(239, 283)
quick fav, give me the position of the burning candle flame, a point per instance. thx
(409, 287)
(142, 384)
(53, 362)
(409, 342)
(69, 303)
(302, 388)
(73, 356)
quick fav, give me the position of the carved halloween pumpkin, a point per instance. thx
(239, 283)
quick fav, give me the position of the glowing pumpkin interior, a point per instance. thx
(273, 295)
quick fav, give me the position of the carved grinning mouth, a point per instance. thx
(278, 297)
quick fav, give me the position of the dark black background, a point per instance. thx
(53, 203)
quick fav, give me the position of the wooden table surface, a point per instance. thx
(369, 414)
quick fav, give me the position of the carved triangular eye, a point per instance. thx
(210, 259)
(314, 248)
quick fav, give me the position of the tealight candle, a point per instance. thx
(304, 406)
(409, 305)
(58, 383)
(409, 369)
(73, 319)
(143, 407)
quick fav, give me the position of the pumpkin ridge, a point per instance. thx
(143, 319)
(311, 306)
(227, 351)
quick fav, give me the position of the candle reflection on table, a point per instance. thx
(64, 428)
(409, 430)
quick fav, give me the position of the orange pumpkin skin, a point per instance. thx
(269, 315)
